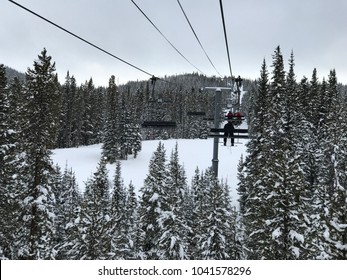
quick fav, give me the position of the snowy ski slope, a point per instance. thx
(192, 153)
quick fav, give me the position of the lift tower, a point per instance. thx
(217, 117)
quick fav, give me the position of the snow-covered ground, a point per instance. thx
(192, 153)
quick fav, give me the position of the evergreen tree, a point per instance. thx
(273, 230)
(332, 188)
(4, 113)
(173, 242)
(136, 139)
(131, 222)
(87, 127)
(93, 240)
(124, 129)
(68, 202)
(110, 145)
(37, 234)
(121, 248)
(285, 180)
(77, 117)
(252, 188)
(152, 205)
(243, 195)
(132, 133)
(215, 241)
(97, 114)
(314, 103)
(198, 203)
(307, 148)
(68, 105)
(9, 167)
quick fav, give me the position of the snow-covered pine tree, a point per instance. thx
(173, 241)
(36, 236)
(314, 103)
(9, 167)
(307, 151)
(136, 138)
(118, 194)
(68, 203)
(193, 125)
(127, 129)
(68, 105)
(97, 111)
(240, 244)
(110, 147)
(4, 114)
(87, 122)
(93, 240)
(77, 117)
(303, 102)
(132, 222)
(290, 104)
(234, 227)
(285, 183)
(152, 205)
(243, 196)
(332, 177)
(120, 247)
(241, 189)
(197, 201)
(5, 146)
(121, 135)
(133, 131)
(12, 167)
(273, 177)
(252, 189)
(215, 242)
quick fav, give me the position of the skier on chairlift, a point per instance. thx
(238, 115)
(229, 115)
(229, 132)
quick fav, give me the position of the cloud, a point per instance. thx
(314, 29)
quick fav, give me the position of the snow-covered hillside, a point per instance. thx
(192, 152)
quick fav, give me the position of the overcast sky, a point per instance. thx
(314, 29)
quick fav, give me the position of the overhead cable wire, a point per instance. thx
(196, 36)
(167, 40)
(225, 36)
(84, 40)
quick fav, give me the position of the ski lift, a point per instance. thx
(238, 133)
(159, 124)
(238, 82)
(157, 104)
(237, 92)
(196, 113)
(236, 118)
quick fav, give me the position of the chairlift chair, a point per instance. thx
(159, 124)
(196, 113)
(238, 133)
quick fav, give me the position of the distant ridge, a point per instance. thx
(12, 73)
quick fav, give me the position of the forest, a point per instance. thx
(292, 182)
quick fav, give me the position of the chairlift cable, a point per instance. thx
(197, 38)
(82, 39)
(167, 40)
(225, 36)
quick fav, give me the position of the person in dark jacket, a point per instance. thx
(230, 115)
(229, 132)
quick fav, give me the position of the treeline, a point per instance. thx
(170, 220)
(82, 110)
(293, 183)
(43, 214)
